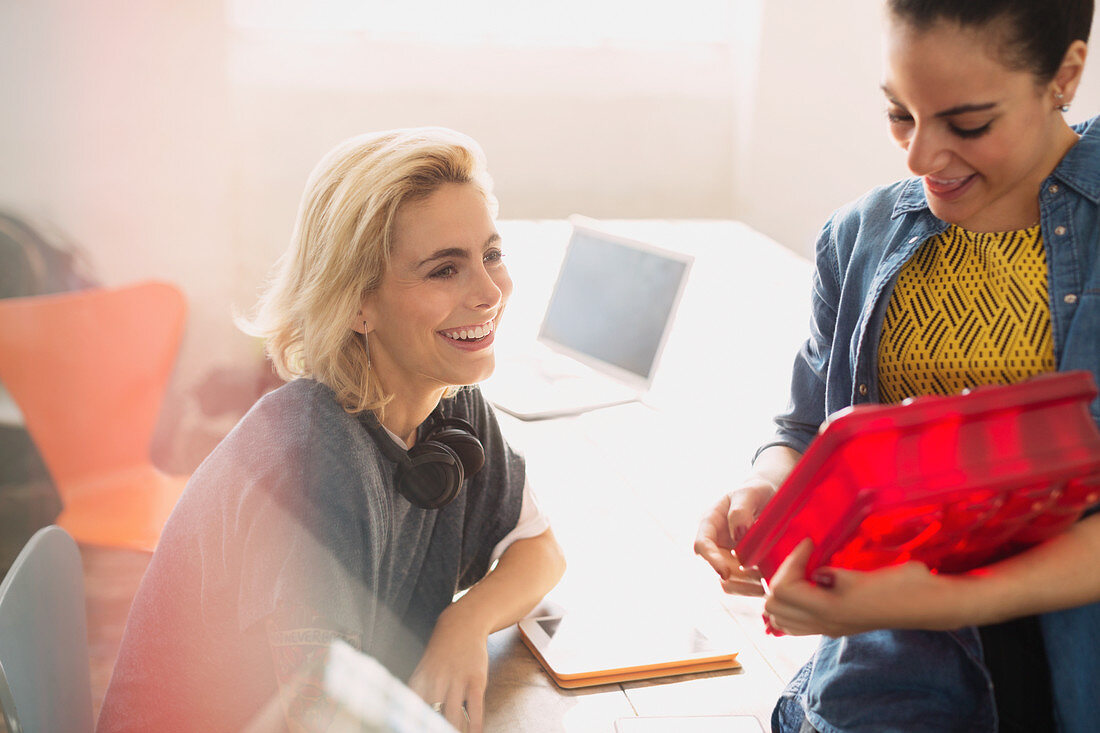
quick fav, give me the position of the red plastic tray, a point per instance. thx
(954, 482)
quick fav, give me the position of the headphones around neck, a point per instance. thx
(431, 473)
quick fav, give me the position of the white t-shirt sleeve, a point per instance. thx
(532, 522)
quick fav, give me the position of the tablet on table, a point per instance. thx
(583, 649)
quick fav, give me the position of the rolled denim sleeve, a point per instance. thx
(797, 426)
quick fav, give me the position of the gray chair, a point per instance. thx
(45, 684)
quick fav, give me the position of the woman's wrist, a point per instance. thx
(464, 614)
(759, 485)
(525, 572)
(977, 598)
(773, 465)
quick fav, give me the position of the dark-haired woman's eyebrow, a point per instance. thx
(962, 109)
(890, 95)
(958, 109)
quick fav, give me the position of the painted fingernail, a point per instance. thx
(823, 578)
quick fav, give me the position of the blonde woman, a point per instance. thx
(355, 501)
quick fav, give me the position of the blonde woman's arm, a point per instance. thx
(455, 665)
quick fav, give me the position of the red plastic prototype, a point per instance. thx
(954, 482)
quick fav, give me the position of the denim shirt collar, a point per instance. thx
(912, 198)
(1077, 170)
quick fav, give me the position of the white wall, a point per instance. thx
(113, 130)
(605, 132)
(816, 136)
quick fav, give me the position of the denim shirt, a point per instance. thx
(922, 680)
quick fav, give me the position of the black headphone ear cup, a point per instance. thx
(432, 475)
(464, 444)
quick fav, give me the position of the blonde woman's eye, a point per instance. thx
(444, 272)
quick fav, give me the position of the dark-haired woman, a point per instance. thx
(984, 268)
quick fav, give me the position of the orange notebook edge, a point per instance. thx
(606, 677)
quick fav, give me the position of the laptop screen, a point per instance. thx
(614, 301)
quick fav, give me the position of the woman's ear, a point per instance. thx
(1068, 76)
(363, 320)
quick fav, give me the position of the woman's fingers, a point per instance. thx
(421, 687)
(723, 561)
(793, 568)
(744, 585)
(788, 605)
(712, 540)
(432, 691)
(462, 704)
(745, 504)
(453, 707)
(475, 709)
(735, 579)
(723, 527)
(793, 626)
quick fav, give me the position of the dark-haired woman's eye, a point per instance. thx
(494, 255)
(897, 117)
(971, 132)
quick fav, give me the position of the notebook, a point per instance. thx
(586, 649)
(609, 315)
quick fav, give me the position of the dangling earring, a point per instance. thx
(366, 344)
(1062, 107)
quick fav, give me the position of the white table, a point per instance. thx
(625, 486)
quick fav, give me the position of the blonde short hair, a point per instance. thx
(341, 247)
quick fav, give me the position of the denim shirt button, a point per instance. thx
(1053, 188)
(863, 390)
(1071, 298)
(1059, 231)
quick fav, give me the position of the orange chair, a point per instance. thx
(88, 369)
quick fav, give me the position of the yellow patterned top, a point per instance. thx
(968, 309)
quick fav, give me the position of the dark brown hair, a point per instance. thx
(1036, 33)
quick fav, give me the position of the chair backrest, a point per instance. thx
(44, 638)
(88, 370)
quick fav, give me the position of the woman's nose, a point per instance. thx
(491, 287)
(927, 152)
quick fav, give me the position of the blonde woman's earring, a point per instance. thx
(366, 344)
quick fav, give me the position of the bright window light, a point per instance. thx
(493, 22)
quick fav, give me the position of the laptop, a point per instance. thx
(609, 315)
